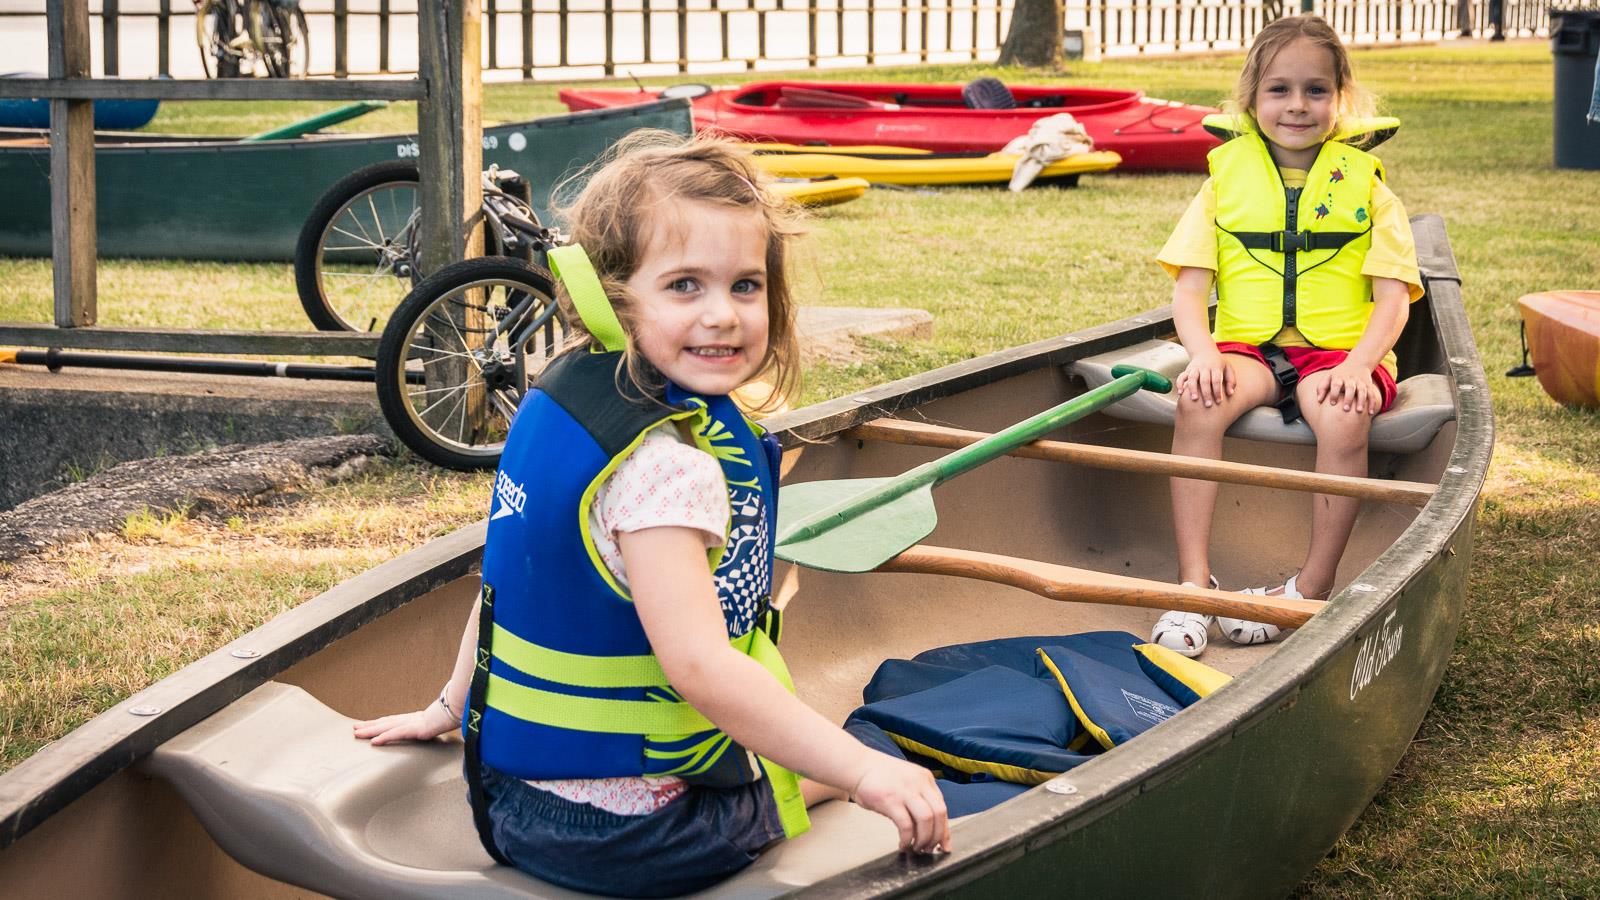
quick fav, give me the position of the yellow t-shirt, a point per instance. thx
(1393, 254)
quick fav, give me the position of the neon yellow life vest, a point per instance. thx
(1292, 257)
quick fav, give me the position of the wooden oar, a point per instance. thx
(919, 434)
(1087, 586)
(856, 524)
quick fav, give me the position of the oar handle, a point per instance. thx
(1066, 583)
(1129, 381)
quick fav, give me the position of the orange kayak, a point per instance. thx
(1564, 338)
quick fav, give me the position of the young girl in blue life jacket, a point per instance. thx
(1315, 267)
(634, 731)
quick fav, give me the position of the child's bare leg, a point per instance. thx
(1341, 450)
(1198, 432)
(815, 792)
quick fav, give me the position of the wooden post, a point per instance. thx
(72, 203)
(492, 12)
(450, 137)
(164, 38)
(341, 38)
(108, 36)
(527, 39)
(450, 131)
(383, 35)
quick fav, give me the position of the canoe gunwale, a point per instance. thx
(133, 140)
(1439, 536)
(67, 769)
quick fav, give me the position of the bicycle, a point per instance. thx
(356, 255)
(455, 358)
(240, 37)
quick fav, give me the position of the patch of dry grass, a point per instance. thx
(89, 623)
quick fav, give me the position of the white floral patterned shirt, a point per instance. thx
(663, 483)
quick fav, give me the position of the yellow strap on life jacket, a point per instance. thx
(572, 266)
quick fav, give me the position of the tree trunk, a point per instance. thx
(1035, 35)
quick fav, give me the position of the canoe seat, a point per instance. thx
(280, 783)
(1424, 403)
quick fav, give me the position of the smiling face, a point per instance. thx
(700, 295)
(1296, 102)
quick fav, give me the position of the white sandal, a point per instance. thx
(1183, 632)
(1243, 631)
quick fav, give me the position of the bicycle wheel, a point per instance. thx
(354, 260)
(214, 32)
(475, 331)
(278, 31)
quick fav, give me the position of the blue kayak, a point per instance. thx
(109, 115)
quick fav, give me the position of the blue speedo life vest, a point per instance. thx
(570, 688)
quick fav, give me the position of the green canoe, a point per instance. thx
(238, 777)
(217, 198)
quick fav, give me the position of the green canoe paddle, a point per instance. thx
(858, 524)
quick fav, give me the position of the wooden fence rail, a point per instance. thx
(608, 37)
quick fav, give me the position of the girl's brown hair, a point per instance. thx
(1354, 101)
(650, 170)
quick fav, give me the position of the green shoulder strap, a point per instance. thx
(572, 266)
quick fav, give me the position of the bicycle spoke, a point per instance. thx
(441, 354)
(377, 220)
(384, 273)
(453, 389)
(363, 236)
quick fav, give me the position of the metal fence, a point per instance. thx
(578, 38)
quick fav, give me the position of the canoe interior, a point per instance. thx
(838, 628)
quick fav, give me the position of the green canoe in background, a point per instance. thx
(217, 198)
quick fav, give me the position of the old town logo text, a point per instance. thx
(1376, 650)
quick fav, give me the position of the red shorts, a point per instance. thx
(1311, 359)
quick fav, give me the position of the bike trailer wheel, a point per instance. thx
(474, 332)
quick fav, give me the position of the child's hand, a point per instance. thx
(422, 725)
(906, 795)
(1351, 386)
(1208, 379)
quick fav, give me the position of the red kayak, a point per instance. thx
(1148, 134)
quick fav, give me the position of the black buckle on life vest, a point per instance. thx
(1288, 379)
(1291, 241)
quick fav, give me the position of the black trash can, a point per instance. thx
(1575, 42)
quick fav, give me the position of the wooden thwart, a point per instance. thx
(1086, 586)
(919, 434)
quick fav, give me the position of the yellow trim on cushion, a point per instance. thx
(1193, 674)
(1013, 774)
(1100, 735)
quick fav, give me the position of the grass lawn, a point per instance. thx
(1499, 794)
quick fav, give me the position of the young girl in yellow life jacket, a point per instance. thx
(1314, 265)
(630, 728)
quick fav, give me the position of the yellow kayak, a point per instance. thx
(900, 165)
(822, 192)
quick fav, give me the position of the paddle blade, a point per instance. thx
(862, 543)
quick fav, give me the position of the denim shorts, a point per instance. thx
(691, 843)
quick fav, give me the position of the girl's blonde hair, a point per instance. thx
(1353, 100)
(613, 217)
